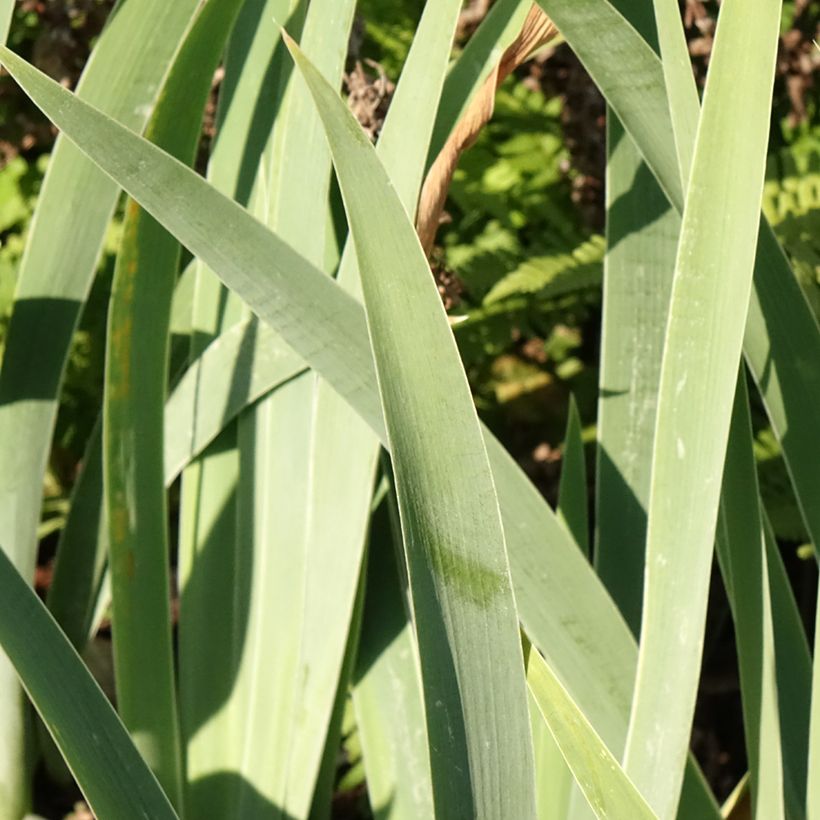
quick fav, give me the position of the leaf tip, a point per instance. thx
(289, 42)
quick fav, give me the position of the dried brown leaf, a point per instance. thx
(537, 31)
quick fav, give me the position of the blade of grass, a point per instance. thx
(80, 577)
(629, 75)
(642, 240)
(573, 508)
(136, 378)
(208, 501)
(604, 783)
(464, 611)
(777, 350)
(642, 235)
(741, 551)
(563, 606)
(555, 795)
(321, 807)
(62, 248)
(343, 462)
(800, 457)
(707, 314)
(182, 320)
(553, 779)
(106, 765)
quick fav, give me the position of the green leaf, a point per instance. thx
(555, 796)
(604, 783)
(313, 466)
(82, 552)
(386, 688)
(741, 550)
(221, 564)
(343, 449)
(136, 377)
(642, 238)
(793, 705)
(220, 779)
(680, 82)
(554, 782)
(464, 613)
(710, 292)
(642, 232)
(240, 366)
(6, 12)
(108, 769)
(794, 678)
(573, 507)
(611, 49)
(123, 77)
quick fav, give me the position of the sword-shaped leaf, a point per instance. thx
(707, 317)
(608, 790)
(109, 770)
(463, 607)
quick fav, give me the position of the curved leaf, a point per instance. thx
(608, 790)
(109, 770)
(464, 612)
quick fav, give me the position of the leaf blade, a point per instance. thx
(573, 511)
(138, 347)
(704, 336)
(741, 550)
(603, 782)
(447, 565)
(105, 763)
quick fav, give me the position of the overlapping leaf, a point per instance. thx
(707, 315)
(463, 608)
